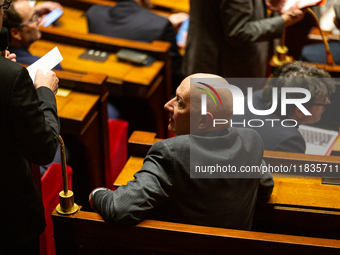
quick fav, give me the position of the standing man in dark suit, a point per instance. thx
(29, 133)
(169, 188)
(231, 38)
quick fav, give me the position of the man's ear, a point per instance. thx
(299, 114)
(15, 34)
(206, 121)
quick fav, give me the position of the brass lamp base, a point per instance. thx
(67, 205)
(278, 62)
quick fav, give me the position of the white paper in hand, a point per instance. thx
(45, 63)
(300, 4)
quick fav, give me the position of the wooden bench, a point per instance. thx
(298, 205)
(87, 233)
(301, 217)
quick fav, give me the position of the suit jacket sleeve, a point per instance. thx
(131, 203)
(241, 25)
(34, 119)
(294, 143)
(266, 185)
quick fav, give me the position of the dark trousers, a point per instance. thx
(30, 248)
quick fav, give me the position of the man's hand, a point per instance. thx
(275, 5)
(11, 56)
(91, 195)
(49, 80)
(293, 15)
(91, 198)
(177, 19)
(46, 7)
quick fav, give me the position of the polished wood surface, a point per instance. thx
(77, 107)
(133, 165)
(175, 6)
(87, 233)
(315, 36)
(305, 192)
(124, 80)
(115, 70)
(72, 16)
(149, 83)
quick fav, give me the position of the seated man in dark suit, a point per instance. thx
(169, 188)
(130, 19)
(22, 22)
(287, 138)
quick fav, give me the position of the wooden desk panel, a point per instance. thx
(87, 233)
(305, 192)
(76, 106)
(73, 20)
(76, 112)
(124, 80)
(118, 71)
(133, 165)
(178, 5)
(315, 37)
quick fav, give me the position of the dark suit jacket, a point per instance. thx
(130, 21)
(277, 138)
(163, 189)
(28, 133)
(26, 58)
(229, 38)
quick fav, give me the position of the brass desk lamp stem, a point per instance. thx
(329, 56)
(66, 197)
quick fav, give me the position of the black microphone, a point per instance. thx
(4, 41)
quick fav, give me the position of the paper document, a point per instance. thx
(302, 3)
(45, 63)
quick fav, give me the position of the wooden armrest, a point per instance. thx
(314, 35)
(86, 232)
(101, 42)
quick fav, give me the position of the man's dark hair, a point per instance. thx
(299, 75)
(11, 19)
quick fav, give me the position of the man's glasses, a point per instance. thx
(6, 5)
(34, 18)
(326, 102)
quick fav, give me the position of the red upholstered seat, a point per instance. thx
(118, 137)
(51, 185)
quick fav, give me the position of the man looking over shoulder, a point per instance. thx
(22, 22)
(164, 188)
(29, 133)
